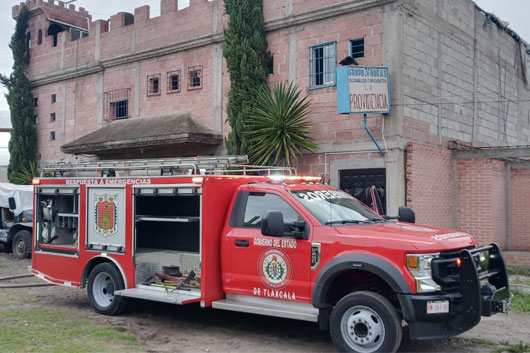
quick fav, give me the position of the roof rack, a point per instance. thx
(205, 165)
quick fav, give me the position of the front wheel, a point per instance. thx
(22, 244)
(103, 280)
(365, 322)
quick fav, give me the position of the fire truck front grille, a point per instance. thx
(149, 261)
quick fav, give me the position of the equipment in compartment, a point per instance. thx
(57, 216)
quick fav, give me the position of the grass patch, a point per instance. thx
(56, 331)
(4, 266)
(7, 300)
(523, 271)
(514, 348)
(518, 281)
(520, 302)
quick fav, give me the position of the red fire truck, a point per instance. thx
(264, 241)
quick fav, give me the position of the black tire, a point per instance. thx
(3, 246)
(103, 280)
(22, 244)
(365, 322)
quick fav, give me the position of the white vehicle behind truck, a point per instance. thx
(16, 211)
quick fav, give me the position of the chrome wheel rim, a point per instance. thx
(362, 329)
(103, 289)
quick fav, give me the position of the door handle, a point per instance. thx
(242, 243)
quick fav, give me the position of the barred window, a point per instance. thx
(52, 136)
(322, 63)
(195, 77)
(357, 48)
(117, 104)
(153, 85)
(173, 81)
(54, 98)
(52, 117)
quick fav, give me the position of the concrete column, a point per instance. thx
(508, 200)
(454, 192)
(218, 88)
(133, 39)
(101, 100)
(439, 83)
(136, 89)
(63, 116)
(97, 51)
(293, 55)
(214, 16)
(395, 180)
(63, 42)
(394, 32)
(288, 7)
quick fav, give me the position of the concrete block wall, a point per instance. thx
(428, 173)
(459, 74)
(520, 209)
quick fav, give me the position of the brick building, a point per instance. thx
(458, 86)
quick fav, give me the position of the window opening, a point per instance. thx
(54, 98)
(153, 85)
(322, 62)
(52, 136)
(259, 203)
(270, 65)
(35, 119)
(195, 77)
(173, 81)
(52, 117)
(117, 104)
(54, 30)
(39, 37)
(36, 102)
(357, 48)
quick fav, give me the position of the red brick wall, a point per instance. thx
(428, 181)
(481, 199)
(520, 209)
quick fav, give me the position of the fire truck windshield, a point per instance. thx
(335, 207)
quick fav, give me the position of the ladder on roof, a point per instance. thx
(209, 165)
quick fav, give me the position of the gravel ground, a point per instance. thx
(169, 328)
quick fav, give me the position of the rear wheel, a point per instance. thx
(103, 280)
(365, 322)
(22, 244)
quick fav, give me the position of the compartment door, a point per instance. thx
(106, 218)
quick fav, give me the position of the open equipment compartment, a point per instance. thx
(167, 231)
(57, 217)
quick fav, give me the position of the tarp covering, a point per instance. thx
(23, 195)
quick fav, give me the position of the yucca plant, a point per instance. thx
(26, 173)
(279, 126)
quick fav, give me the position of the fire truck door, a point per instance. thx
(266, 266)
(106, 218)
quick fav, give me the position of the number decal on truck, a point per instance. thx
(274, 268)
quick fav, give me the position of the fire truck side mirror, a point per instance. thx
(272, 224)
(406, 214)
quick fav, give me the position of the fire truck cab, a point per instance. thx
(260, 240)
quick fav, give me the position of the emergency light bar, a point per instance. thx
(281, 178)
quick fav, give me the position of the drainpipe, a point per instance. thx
(372, 136)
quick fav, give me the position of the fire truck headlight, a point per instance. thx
(419, 266)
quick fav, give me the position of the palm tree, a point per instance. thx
(278, 126)
(24, 176)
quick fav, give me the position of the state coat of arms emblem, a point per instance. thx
(106, 215)
(274, 268)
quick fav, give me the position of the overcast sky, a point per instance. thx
(516, 12)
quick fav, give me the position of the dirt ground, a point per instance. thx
(170, 328)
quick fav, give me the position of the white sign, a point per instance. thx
(363, 89)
